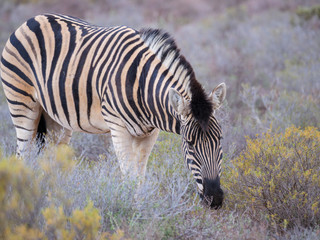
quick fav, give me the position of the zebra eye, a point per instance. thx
(190, 144)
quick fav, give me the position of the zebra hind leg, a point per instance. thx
(51, 130)
(32, 123)
(29, 125)
(41, 133)
(47, 130)
(56, 133)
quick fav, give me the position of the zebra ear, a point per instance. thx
(218, 95)
(179, 104)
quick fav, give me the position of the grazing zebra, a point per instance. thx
(62, 74)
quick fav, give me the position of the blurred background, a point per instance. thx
(268, 54)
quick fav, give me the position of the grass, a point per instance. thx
(63, 189)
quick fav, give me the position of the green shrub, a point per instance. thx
(277, 177)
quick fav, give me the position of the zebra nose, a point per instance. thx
(216, 201)
(212, 194)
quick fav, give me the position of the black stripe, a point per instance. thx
(19, 116)
(158, 103)
(16, 70)
(18, 90)
(130, 81)
(150, 101)
(115, 59)
(34, 26)
(75, 84)
(142, 84)
(18, 103)
(56, 28)
(22, 140)
(62, 76)
(115, 123)
(24, 54)
(70, 18)
(90, 75)
(29, 130)
(107, 112)
(88, 35)
(100, 45)
(104, 78)
(171, 120)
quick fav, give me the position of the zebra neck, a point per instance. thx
(155, 81)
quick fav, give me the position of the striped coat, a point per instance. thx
(61, 74)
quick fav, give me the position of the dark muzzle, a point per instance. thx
(212, 193)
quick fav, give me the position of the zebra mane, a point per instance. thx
(164, 46)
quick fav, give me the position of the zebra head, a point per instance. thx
(201, 142)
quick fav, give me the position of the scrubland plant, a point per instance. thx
(56, 195)
(20, 198)
(35, 204)
(82, 224)
(276, 178)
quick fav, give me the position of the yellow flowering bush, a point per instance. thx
(24, 197)
(83, 224)
(19, 196)
(277, 177)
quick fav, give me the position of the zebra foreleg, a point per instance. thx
(132, 152)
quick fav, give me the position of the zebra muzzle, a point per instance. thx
(212, 195)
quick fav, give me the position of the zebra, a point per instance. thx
(61, 74)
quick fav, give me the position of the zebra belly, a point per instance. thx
(96, 125)
(81, 120)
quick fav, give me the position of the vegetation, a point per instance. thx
(277, 178)
(267, 52)
(308, 13)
